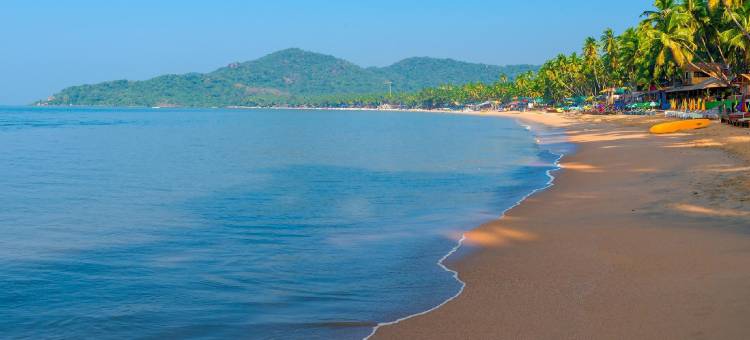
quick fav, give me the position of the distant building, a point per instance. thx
(707, 83)
(696, 73)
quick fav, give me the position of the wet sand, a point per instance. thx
(641, 237)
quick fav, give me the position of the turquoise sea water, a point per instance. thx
(267, 224)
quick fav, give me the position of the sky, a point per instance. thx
(46, 45)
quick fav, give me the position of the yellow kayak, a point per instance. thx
(682, 125)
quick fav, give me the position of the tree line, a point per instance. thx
(672, 35)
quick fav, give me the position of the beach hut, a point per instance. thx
(699, 89)
(485, 106)
(742, 81)
(688, 96)
(656, 94)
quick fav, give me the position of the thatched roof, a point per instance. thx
(709, 83)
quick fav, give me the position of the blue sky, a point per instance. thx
(48, 45)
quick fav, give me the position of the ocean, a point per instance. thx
(259, 224)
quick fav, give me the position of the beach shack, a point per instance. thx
(490, 105)
(739, 104)
(517, 104)
(743, 83)
(615, 97)
(699, 91)
(647, 99)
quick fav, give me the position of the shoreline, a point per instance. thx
(692, 185)
(495, 239)
(460, 243)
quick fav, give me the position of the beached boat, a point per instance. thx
(684, 125)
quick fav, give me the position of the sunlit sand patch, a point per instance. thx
(497, 236)
(741, 169)
(671, 135)
(679, 145)
(695, 209)
(608, 137)
(580, 167)
(739, 139)
(705, 142)
(696, 143)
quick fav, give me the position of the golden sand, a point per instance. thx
(641, 237)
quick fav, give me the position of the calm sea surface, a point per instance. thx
(267, 224)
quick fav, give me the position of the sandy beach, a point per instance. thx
(641, 237)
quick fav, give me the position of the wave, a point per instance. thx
(441, 263)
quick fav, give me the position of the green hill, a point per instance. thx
(414, 74)
(290, 76)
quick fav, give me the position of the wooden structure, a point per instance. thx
(699, 89)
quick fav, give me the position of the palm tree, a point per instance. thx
(669, 31)
(731, 10)
(503, 78)
(611, 47)
(700, 23)
(670, 34)
(726, 3)
(630, 56)
(563, 77)
(592, 61)
(736, 41)
(736, 12)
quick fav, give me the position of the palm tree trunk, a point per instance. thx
(718, 47)
(705, 48)
(742, 28)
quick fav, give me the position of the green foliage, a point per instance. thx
(414, 74)
(289, 77)
(672, 35)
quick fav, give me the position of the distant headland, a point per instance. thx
(288, 77)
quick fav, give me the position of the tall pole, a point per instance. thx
(390, 90)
